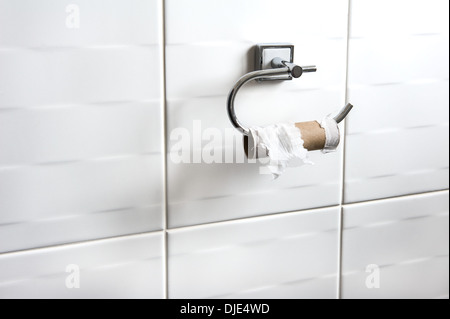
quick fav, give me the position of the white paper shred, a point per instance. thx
(283, 144)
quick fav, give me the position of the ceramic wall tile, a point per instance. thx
(129, 267)
(402, 17)
(47, 23)
(396, 248)
(53, 204)
(204, 63)
(81, 127)
(282, 256)
(254, 20)
(397, 137)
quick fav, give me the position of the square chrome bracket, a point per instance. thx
(265, 53)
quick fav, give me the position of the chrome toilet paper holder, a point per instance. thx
(273, 62)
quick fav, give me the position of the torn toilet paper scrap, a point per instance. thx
(333, 135)
(284, 146)
(282, 143)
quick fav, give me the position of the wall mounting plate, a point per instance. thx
(265, 53)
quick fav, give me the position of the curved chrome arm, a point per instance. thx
(291, 70)
(343, 113)
(242, 81)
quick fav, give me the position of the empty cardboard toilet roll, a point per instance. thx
(315, 137)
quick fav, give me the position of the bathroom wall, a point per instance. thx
(94, 204)
(397, 148)
(81, 148)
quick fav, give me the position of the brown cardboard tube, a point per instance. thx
(313, 136)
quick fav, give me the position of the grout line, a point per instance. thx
(340, 241)
(80, 242)
(343, 158)
(253, 217)
(376, 200)
(258, 217)
(344, 144)
(164, 231)
(164, 145)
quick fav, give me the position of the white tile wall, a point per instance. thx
(398, 77)
(33, 24)
(52, 204)
(203, 63)
(285, 256)
(80, 122)
(129, 267)
(408, 238)
(82, 165)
